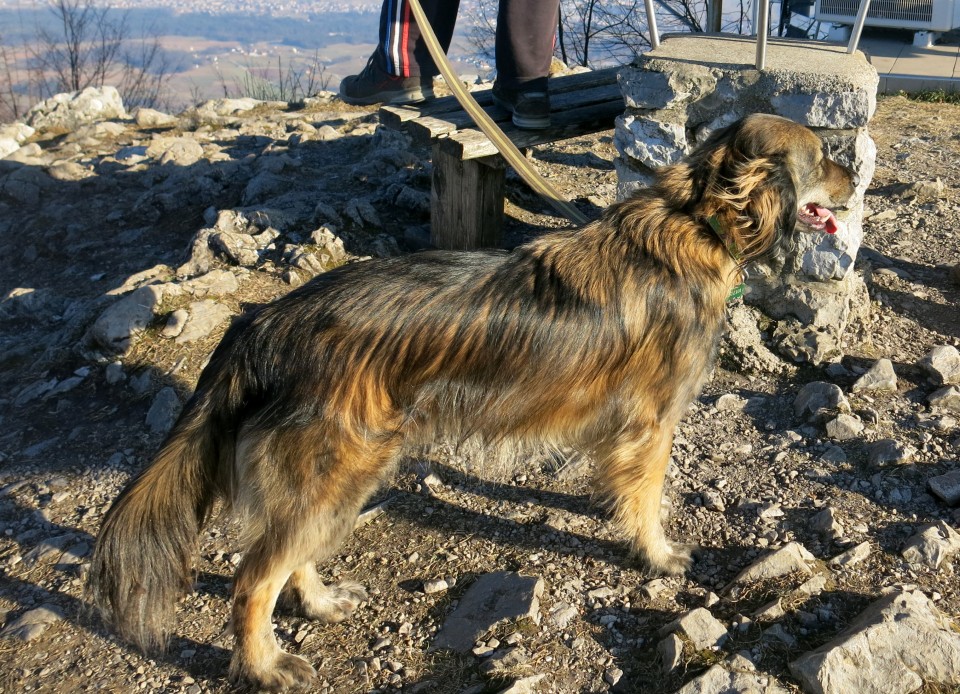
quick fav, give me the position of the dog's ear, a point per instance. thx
(750, 191)
(707, 165)
(769, 210)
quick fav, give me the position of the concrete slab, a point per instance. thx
(902, 66)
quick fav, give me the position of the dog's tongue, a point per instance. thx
(831, 224)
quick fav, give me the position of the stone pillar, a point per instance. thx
(694, 84)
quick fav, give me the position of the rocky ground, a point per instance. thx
(820, 495)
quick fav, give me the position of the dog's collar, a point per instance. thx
(736, 292)
(721, 233)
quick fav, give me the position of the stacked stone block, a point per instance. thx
(695, 84)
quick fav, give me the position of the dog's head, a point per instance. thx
(763, 177)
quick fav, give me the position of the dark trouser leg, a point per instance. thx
(525, 39)
(401, 51)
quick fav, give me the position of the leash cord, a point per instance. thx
(503, 143)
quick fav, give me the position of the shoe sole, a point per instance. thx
(525, 123)
(390, 97)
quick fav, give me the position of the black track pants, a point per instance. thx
(524, 44)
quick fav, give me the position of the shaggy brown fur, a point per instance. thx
(597, 338)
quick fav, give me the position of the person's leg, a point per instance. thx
(402, 51)
(524, 48)
(525, 41)
(401, 71)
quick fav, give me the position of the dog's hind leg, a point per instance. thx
(262, 573)
(631, 472)
(300, 496)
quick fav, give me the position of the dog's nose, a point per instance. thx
(854, 178)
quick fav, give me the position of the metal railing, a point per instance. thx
(763, 22)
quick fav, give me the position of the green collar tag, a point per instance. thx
(722, 235)
(736, 292)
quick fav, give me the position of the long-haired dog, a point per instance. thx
(597, 338)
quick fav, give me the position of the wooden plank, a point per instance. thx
(466, 202)
(425, 128)
(470, 144)
(397, 116)
(394, 117)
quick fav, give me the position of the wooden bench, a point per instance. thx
(466, 201)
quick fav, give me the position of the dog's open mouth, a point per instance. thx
(819, 218)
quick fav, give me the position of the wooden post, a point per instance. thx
(466, 201)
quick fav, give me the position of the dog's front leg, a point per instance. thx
(631, 475)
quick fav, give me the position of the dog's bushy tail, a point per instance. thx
(148, 540)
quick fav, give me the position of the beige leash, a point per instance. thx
(503, 144)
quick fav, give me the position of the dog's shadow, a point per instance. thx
(525, 533)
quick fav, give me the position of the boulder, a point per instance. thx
(68, 111)
(896, 645)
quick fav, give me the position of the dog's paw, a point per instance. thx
(672, 560)
(335, 603)
(286, 671)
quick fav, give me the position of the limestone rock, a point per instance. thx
(524, 685)
(792, 557)
(824, 109)
(650, 142)
(362, 213)
(670, 651)
(228, 107)
(175, 323)
(26, 185)
(700, 627)
(718, 680)
(933, 545)
(164, 411)
(905, 640)
(493, 598)
(32, 623)
(880, 377)
(8, 146)
(301, 259)
(811, 314)
(562, 614)
(240, 249)
(201, 255)
(263, 186)
(643, 89)
(942, 364)
(213, 283)
(151, 118)
(946, 487)
(817, 400)
(946, 398)
(119, 326)
(889, 452)
(503, 661)
(844, 427)
(746, 347)
(12, 136)
(179, 151)
(826, 523)
(205, 316)
(68, 111)
(922, 191)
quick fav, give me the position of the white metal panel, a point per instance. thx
(929, 15)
